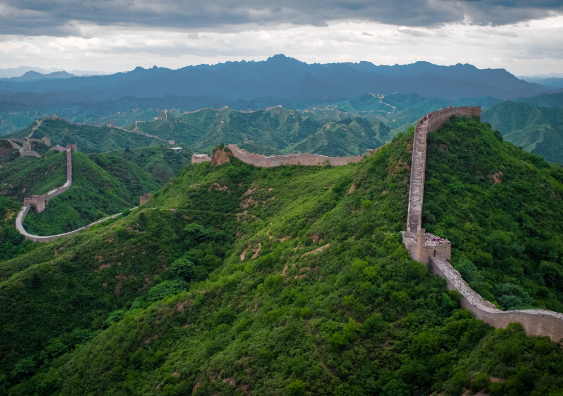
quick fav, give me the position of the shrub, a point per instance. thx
(165, 289)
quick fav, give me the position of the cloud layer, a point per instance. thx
(116, 35)
(67, 17)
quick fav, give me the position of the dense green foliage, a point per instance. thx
(287, 280)
(284, 130)
(11, 242)
(89, 139)
(501, 208)
(159, 161)
(397, 111)
(102, 186)
(538, 130)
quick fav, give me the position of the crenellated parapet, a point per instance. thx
(433, 250)
(290, 159)
(40, 201)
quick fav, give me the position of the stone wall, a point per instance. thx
(199, 158)
(38, 238)
(421, 246)
(429, 123)
(40, 201)
(536, 322)
(144, 198)
(290, 159)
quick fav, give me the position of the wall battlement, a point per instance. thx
(536, 322)
(200, 158)
(41, 200)
(278, 160)
(290, 159)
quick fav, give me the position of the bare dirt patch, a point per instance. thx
(257, 251)
(496, 177)
(220, 157)
(317, 250)
(352, 188)
(217, 187)
(101, 267)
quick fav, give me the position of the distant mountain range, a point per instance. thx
(20, 71)
(34, 76)
(283, 79)
(550, 81)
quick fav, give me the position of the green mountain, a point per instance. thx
(538, 130)
(501, 208)
(102, 186)
(283, 130)
(89, 139)
(397, 111)
(159, 161)
(234, 279)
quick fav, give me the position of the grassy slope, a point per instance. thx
(285, 130)
(159, 161)
(399, 111)
(11, 242)
(357, 318)
(102, 187)
(89, 139)
(505, 233)
(538, 130)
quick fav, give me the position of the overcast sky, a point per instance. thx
(522, 36)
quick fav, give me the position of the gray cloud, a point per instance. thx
(65, 17)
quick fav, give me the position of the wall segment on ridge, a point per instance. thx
(426, 124)
(290, 159)
(536, 322)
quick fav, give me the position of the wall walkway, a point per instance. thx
(39, 201)
(424, 248)
(277, 160)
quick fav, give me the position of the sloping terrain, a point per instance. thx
(501, 208)
(290, 280)
(538, 130)
(89, 139)
(285, 130)
(102, 187)
(159, 161)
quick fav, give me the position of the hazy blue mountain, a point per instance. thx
(281, 77)
(461, 72)
(549, 81)
(34, 76)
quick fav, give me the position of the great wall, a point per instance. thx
(422, 246)
(40, 202)
(278, 160)
(429, 249)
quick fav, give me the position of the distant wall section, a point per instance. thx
(290, 159)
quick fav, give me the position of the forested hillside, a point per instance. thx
(285, 130)
(161, 162)
(501, 207)
(234, 279)
(89, 139)
(102, 186)
(538, 130)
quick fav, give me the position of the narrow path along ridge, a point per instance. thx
(422, 246)
(40, 201)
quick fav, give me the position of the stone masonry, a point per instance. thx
(290, 159)
(277, 160)
(41, 200)
(421, 247)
